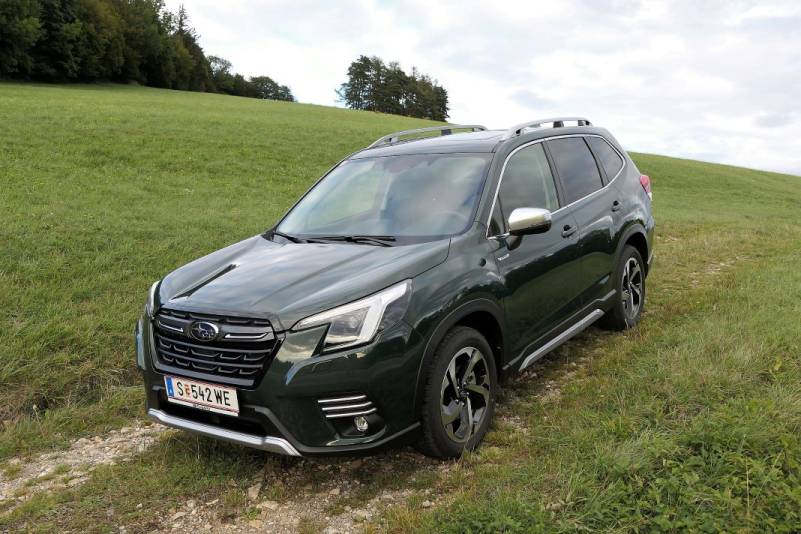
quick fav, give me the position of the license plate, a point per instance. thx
(202, 395)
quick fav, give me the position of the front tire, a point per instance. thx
(630, 292)
(459, 394)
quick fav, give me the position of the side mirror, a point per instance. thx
(524, 221)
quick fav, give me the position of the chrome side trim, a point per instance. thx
(347, 407)
(170, 327)
(561, 338)
(265, 443)
(534, 142)
(246, 337)
(350, 414)
(350, 406)
(342, 399)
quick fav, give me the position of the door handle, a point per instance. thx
(568, 230)
(616, 205)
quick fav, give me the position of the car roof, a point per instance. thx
(485, 141)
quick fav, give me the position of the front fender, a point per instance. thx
(464, 284)
(451, 319)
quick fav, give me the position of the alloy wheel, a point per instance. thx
(632, 288)
(465, 394)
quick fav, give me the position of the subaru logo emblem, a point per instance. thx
(204, 331)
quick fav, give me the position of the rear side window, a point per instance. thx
(576, 167)
(527, 181)
(609, 159)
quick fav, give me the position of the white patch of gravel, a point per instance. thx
(20, 479)
(313, 507)
(285, 517)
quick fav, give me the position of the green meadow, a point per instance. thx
(691, 421)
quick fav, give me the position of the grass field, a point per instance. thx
(691, 421)
(106, 189)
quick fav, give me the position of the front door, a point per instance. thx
(539, 270)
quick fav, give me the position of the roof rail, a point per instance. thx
(558, 122)
(393, 138)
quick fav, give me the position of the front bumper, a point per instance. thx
(265, 443)
(282, 413)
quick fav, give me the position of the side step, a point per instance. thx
(561, 338)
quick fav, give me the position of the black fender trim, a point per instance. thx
(631, 229)
(480, 304)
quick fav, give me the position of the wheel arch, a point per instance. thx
(482, 314)
(636, 236)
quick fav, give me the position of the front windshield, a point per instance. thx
(400, 196)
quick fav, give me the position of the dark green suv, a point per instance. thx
(393, 296)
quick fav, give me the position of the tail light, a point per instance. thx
(645, 182)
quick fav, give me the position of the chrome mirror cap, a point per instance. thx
(524, 221)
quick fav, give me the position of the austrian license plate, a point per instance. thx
(202, 395)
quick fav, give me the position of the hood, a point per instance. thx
(287, 282)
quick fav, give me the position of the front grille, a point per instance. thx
(346, 406)
(238, 353)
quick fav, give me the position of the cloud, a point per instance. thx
(530, 99)
(774, 120)
(679, 78)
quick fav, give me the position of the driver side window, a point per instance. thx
(527, 182)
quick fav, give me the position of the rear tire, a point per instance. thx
(629, 299)
(459, 394)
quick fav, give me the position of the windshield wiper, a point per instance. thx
(378, 240)
(288, 237)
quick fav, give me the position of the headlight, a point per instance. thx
(358, 322)
(150, 307)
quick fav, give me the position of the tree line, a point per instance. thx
(116, 40)
(375, 86)
(142, 41)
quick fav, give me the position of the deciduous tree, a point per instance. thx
(20, 28)
(120, 40)
(374, 86)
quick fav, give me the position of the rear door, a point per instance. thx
(593, 207)
(538, 270)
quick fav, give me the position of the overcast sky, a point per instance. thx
(716, 81)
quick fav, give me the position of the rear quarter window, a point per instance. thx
(609, 159)
(576, 167)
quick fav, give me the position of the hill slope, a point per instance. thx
(108, 188)
(691, 419)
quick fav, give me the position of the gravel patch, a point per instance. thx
(338, 500)
(23, 478)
